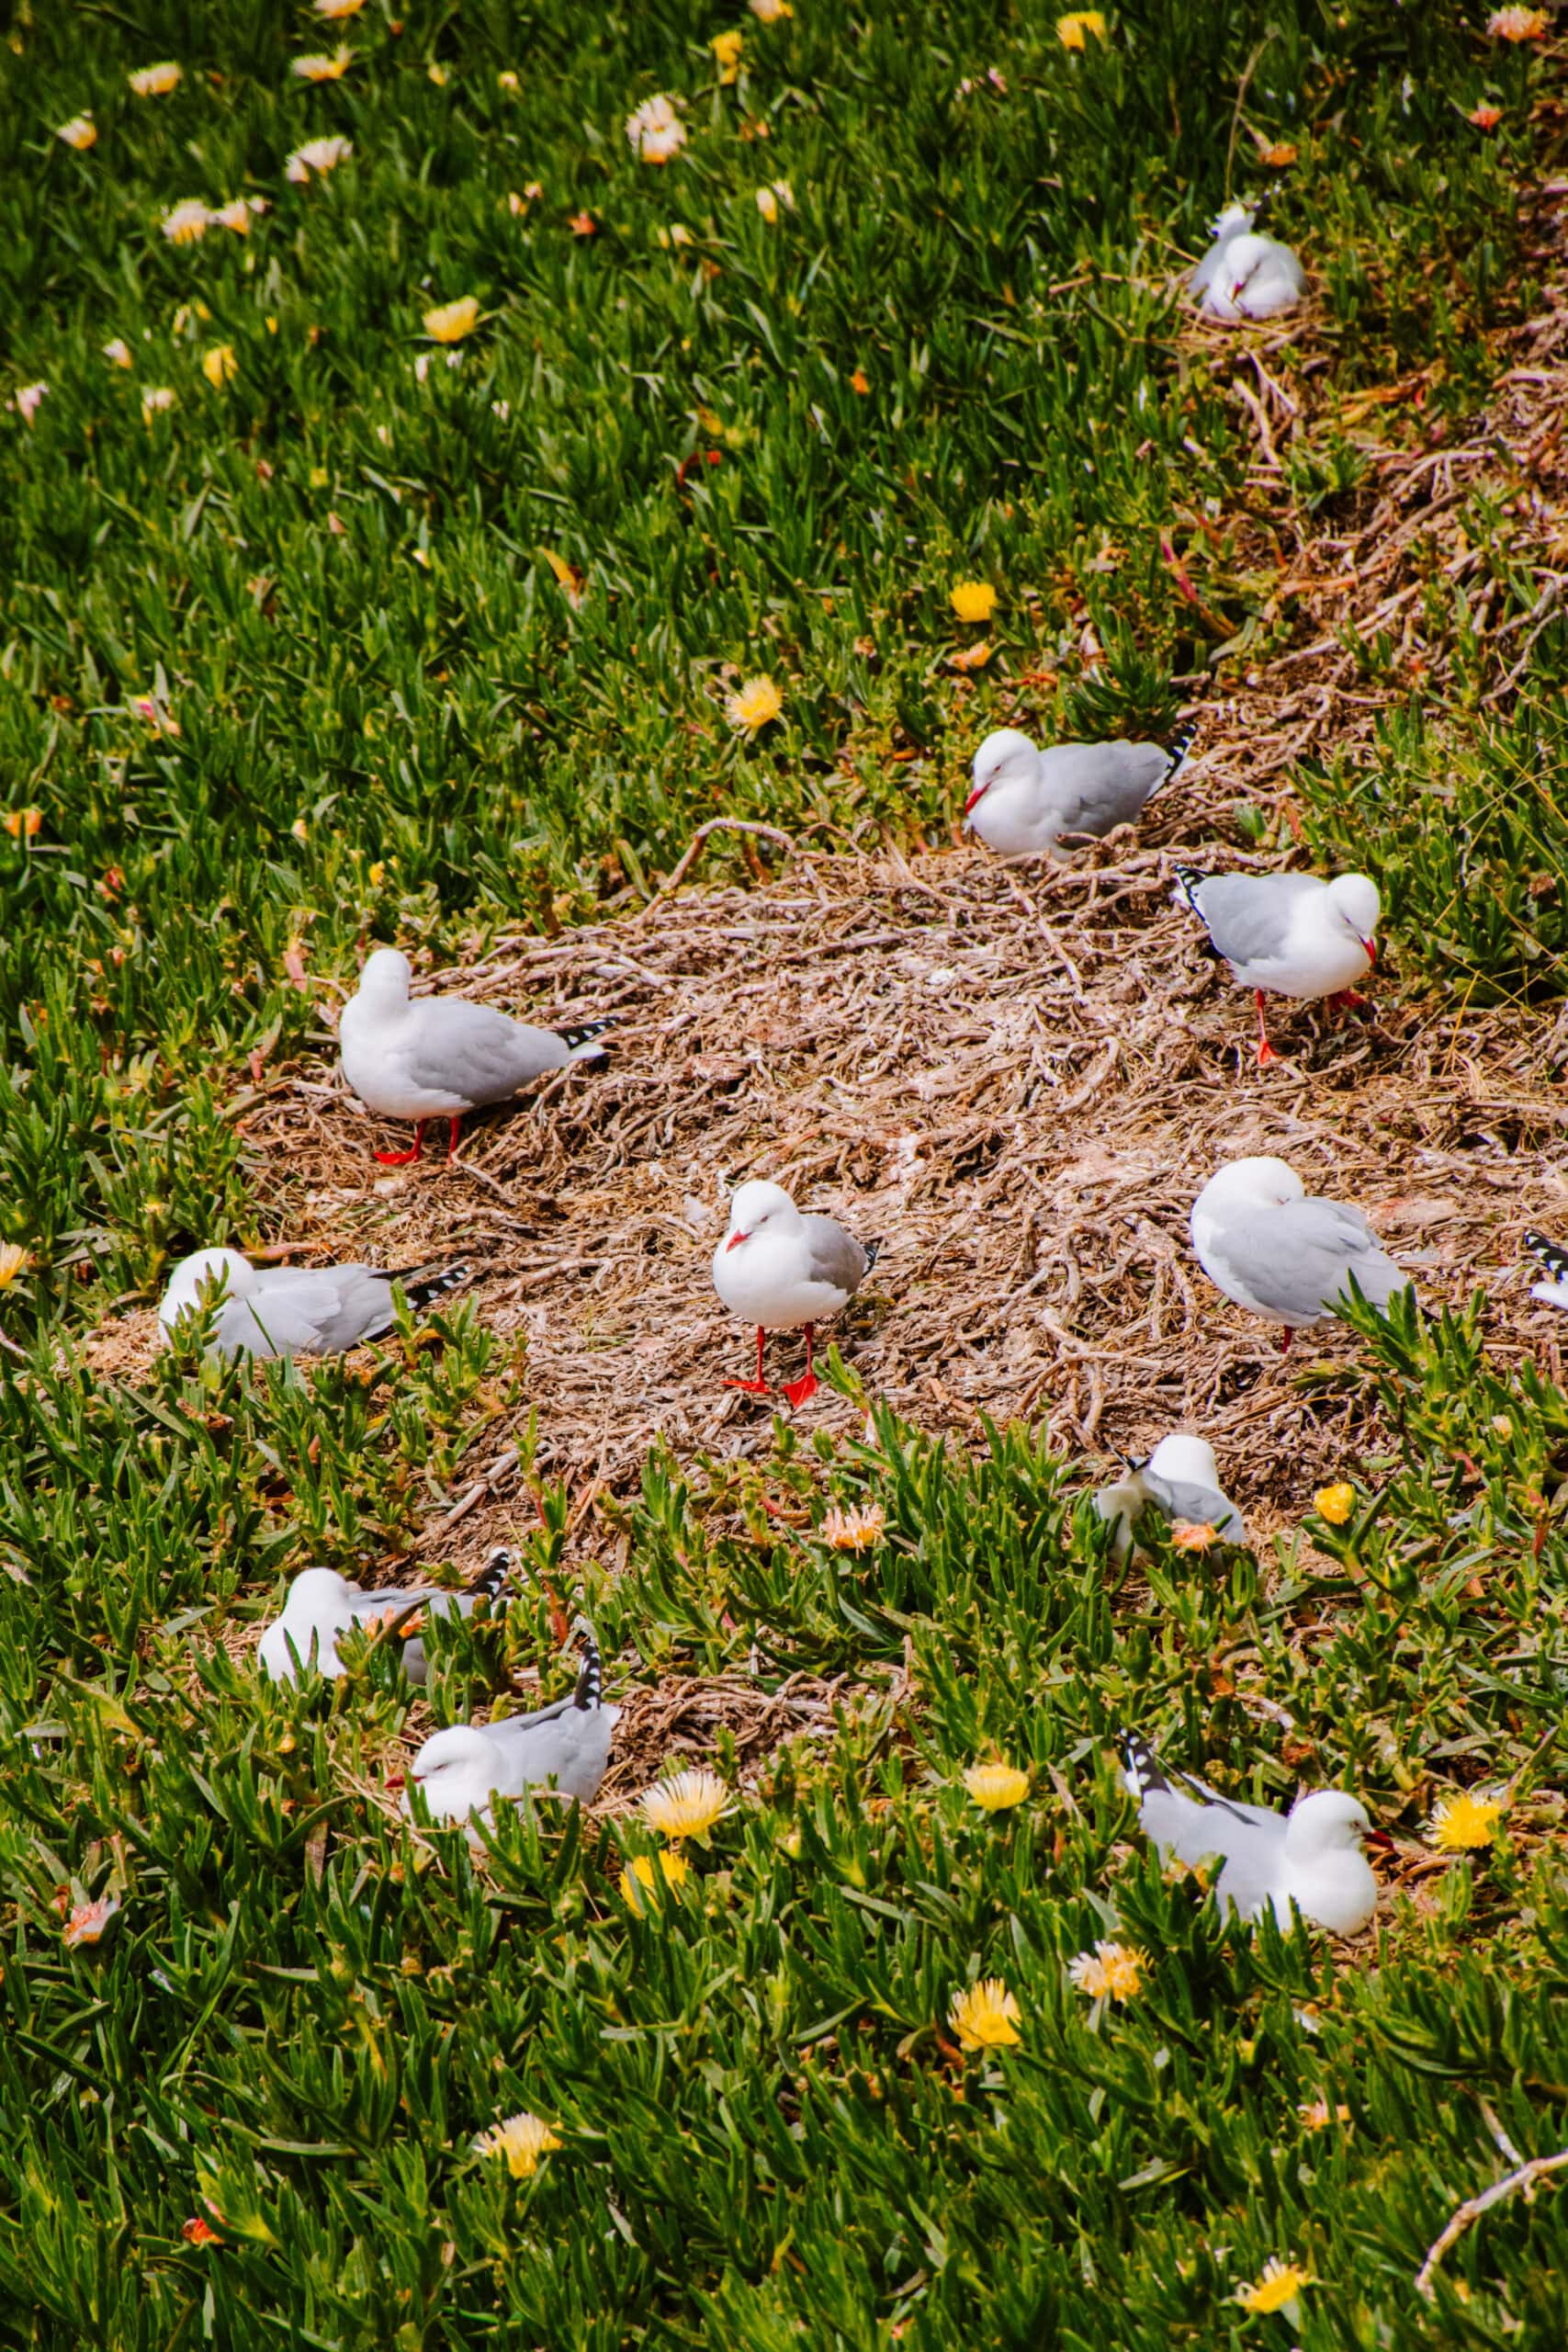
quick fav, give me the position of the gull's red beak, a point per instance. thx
(1380, 1841)
(979, 791)
(735, 1240)
(393, 1780)
(1371, 947)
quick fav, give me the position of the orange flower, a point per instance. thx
(87, 1922)
(1484, 117)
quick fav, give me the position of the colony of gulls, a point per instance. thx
(1284, 1255)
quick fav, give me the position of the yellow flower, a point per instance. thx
(974, 599)
(80, 132)
(984, 2017)
(854, 1531)
(117, 352)
(1335, 1504)
(522, 2140)
(155, 398)
(685, 1805)
(87, 1922)
(1071, 31)
(644, 1873)
(1519, 24)
(656, 131)
(1110, 1970)
(236, 214)
(437, 75)
(300, 829)
(996, 1787)
(727, 48)
(676, 235)
(1281, 2284)
(1462, 1822)
(508, 82)
(769, 12)
(336, 8)
(157, 81)
(317, 155)
(754, 703)
(219, 366)
(24, 824)
(1317, 2115)
(768, 199)
(376, 874)
(452, 321)
(324, 68)
(13, 1257)
(183, 225)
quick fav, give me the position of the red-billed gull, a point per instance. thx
(562, 1750)
(782, 1271)
(1246, 275)
(323, 1606)
(1287, 934)
(1024, 799)
(1281, 1253)
(1180, 1480)
(293, 1310)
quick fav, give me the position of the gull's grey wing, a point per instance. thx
(836, 1256)
(473, 1050)
(1097, 786)
(341, 1304)
(566, 1742)
(1248, 915)
(1249, 1841)
(280, 1318)
(1297, 1261)
(1199, 1506)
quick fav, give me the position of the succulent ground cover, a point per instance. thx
(453, 496)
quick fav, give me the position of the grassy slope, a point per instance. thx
(291, 2017)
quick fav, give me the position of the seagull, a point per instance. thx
(271, 1311)
(561, 1750)
(1309, 1859)
(442, 1056)
(1245, 275)
(1287, 934)
(1024, 799)
(1180, 1480)
(1555, 1258)
(1281, 1253)
(323, 1606)
(780, 1271)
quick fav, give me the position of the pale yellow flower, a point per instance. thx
(317, 155)
(685, 1805)
(655, 130)
(452, 321)
(1334, 1503)
(974, 599)
(509, 83)
(854, 1531)
(753, 705)
(1519, 24)
(996, 1787)
(1317, 2115)
(219, 366)
(117, 352)
(1461, 1823)
(27, 398)
(80, 132)
(1113, 1971)
(1281, 2284)
(14, 1260)
(768, 199)
(238, 213)
(522, 2140)
(769, 12)
(727, 51)
(676, 235)
(1071, 32)
(184, 223)
(437, 74)
(643, 1873)
(87, 1922)
(157, 81)
(333, 9)
(985, 2016)
(156, 398)
(324, 68)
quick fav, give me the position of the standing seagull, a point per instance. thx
(1245, 275)
(562, 1750)
(441, 1057)
(1287, 934)
(1281, 1253)
(1310, 1859)
(780, 1271)
(1024, 799)
(293, 1310)
(323, 1606)
(1181, 1480)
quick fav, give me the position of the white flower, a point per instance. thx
(117, 352)
(27, 400)
(656, 130)
(156, 398)
(80, 132)
(317, 155)
(184, 223)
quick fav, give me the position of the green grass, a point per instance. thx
(404, 726)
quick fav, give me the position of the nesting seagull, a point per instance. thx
(439, 1058)
(1555, 1258)
(1181, 1481)
(1310, 1859)
(1245, 275)
(1024, 799)
(783, 1270)
(323, 1606)
(272, 1311)
(561, 1750)
(1281, 1253)
(1287, 934)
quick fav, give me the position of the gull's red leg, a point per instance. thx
(797, 1391)
(402, 1159)
(1351, 998)
(1286, 1336)
(758, 1387)
(1265, 1050)
(454, 1127)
